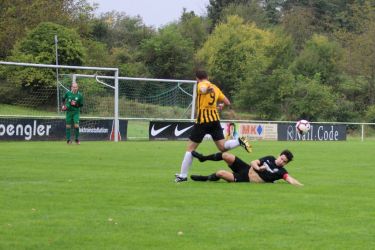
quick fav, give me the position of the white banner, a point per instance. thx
(258, 131)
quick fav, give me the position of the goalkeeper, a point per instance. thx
(72, 102)
(266, 169)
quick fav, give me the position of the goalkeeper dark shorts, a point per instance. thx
(240, 170)
(201, 129)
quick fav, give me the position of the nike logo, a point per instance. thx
(180, 132)
(155, 132)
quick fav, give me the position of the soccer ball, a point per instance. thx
(303, 126)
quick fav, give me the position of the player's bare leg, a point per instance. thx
(225, 175)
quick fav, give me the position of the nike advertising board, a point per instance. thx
(164, 130)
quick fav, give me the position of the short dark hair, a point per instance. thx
(201, 74)
(288, 154)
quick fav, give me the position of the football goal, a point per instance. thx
(35, 90)
(31, 90)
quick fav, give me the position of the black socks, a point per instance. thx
(213, 177)
(214, 157)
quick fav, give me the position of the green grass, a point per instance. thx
(103, 195)
(6, 109)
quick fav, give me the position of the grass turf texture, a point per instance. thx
(105, 195)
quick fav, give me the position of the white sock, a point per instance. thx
(186, 163)
(231, 144)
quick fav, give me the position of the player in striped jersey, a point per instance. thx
(208, 122)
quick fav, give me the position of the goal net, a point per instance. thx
(156, 98)
(139, 98)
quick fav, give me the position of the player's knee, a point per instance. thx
(76, 125)
(220, 145)
(68, 126)
(220, 173)
(226, 156)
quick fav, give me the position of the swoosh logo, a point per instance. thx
(155, 132)
(180, 132)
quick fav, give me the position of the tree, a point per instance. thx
(117, 29)
(273, 10)
(298, 23)
(242, 58)
(17, 16)
(358, 38)
(194, 28)
(322, 57)
(309, 99)
(370, 114)
(215, 8)
(39, 47)
(168, 54)
(250, 11)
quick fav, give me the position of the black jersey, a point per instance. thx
(273, 172)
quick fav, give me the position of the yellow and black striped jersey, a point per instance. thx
(206, 103)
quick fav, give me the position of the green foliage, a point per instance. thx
(233, 49)
(19, 16)
(169, 54)
(370, 114)
(194, 28)
(215, 8)
(311, 100)
(120, 30)
(129, 62)
(96, 53)
(299, 24)
(272, 10)
(242, 59)
(322, 57)
(39, 47)
(250, 11)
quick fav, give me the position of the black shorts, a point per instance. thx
(212, 128)
(240, 170)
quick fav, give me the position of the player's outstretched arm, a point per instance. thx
(293, 181)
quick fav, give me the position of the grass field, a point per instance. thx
(103, 195)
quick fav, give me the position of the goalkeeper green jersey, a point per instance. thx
(69, 97)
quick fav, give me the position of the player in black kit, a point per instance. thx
(265, 169)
